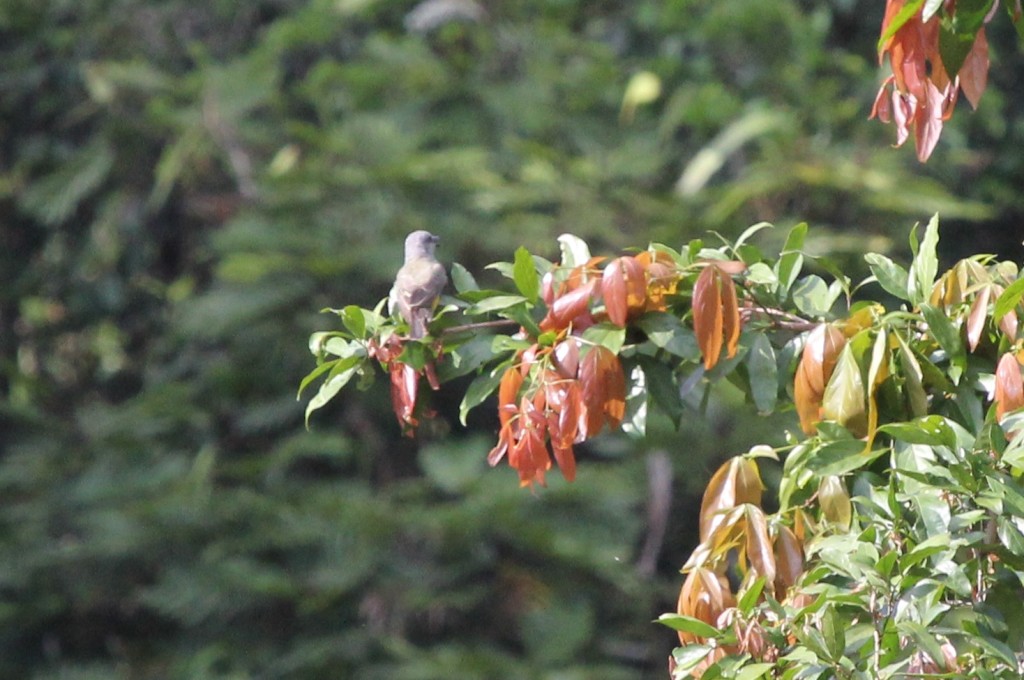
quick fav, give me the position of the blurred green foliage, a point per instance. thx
(184, 185)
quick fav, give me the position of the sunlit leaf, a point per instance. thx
(891, 276)
(977, 317)
(844, 398)
(688, 624)
(707, 315)
(604, 389)
(575, 251)
(1008, 299)
(834, 500)
(791, 259)
(524, 274)
(925, 264)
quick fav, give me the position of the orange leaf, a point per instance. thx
(730, 315)
(1009, 386)
(707, 315)
(704, 595)
(735, 482)
(624, 288)
(806, 400)
(976, 319)
(508, 389)
(604, 389)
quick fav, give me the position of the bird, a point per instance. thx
(419, 282)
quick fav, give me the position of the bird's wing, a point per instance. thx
(419, 283)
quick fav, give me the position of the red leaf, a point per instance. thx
(569, 306)
(613, 290)
(974, 72)
(928, 121)
(604, 389)
(508, 389)
(404, 382)
(566, 357)
(707, 315)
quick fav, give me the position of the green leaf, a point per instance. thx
(341, 373)
(844, 399)
(478, 391)
(838, 458)
(468, 357)
(754, 671)
(931, 430)
(688, 624)
(524, 273)
(926, 264)
(751, 595)
(607, 335)
(925, 640)
(462, 279)
(688, 657)
(791, 261)
(812, 296)
(750, 231)
(1009, 298)
(352, 318)
(943, 330)
(662, 388)
(891, 276)
(668, 333)
(763, 373)
(957, 33)
(314, 374)
(833, 632)
(897, 22)
(495, 304)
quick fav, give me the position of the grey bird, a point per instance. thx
(419, 282)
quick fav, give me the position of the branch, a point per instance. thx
(500, 323)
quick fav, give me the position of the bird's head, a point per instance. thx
(420, 244)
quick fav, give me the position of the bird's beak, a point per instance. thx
(435, 239)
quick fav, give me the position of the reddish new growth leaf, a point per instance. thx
(923, 93)
(404, 381)
(817, 363)
(662, 279)
(716, 316)
(551, 409)
(569, 300)
(604, 389)
(624, 289)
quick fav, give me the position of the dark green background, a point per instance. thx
(184, 185)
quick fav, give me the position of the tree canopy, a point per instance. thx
(184, 186)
